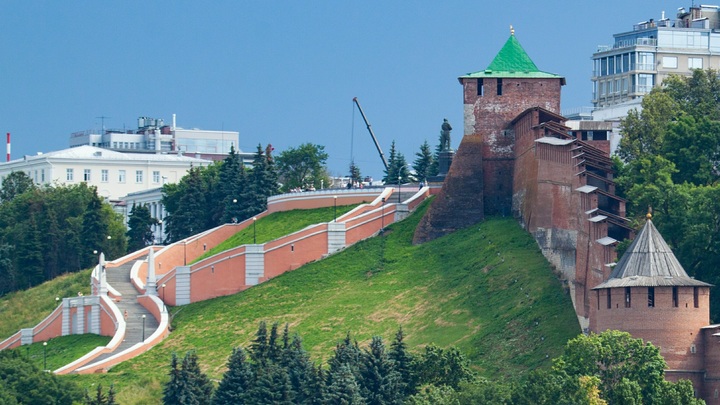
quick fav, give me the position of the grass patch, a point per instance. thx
(276, 225)
(25, 309)
(62, 350)
(486, 289)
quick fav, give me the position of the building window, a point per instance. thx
(481, 88)
(104, 175)
(695, 63)
(86, 175)
(611, 65)
(696, 297)
(669, 62)
(121, 176)
(156, 176)
(499, 87)
(675, 297)
(651, 297)
(42, 175)
(138, 176)
(70, 174)
(627, 297)
(609, 298)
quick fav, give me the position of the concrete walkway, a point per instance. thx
(119, 279)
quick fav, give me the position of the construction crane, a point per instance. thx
(377, 145)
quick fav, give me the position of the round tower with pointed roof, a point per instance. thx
(649, 295)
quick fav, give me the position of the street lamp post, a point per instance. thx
(382, 217)
(57, 301)
(44, 355)
(163, 297)
(334, 208)
(143, 335)
(254, 231)
(398, 189)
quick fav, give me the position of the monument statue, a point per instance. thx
(445, 135)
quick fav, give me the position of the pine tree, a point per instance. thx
(236, 381)
(231, 188)
(403, 364)
(198, 388)
(94, 230)
(379, 381)
(423, 163)
(355, 176)
(300, 370)
(347, 353)
(344, 388)
(172, 391)
(259, 348)
(397, 169)
(140, 233)
(274, 351)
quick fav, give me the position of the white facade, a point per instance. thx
(642, 58)
(115, 174)
(152, 135)
(152, 198)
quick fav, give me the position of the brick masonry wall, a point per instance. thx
(675, 330)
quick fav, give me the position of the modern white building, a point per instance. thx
(153, 136)
(115, 174)
(642, 58)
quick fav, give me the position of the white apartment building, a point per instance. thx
(115, 174)
(642, 58)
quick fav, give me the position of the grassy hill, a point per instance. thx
(486, 289)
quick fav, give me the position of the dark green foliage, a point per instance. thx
(23, 383)
(397, 170)
(259, 350)
(14, 184)
(303, 167)
(671, 153)
(403, 364)
(423, 164)
(48, 231)
(220, 193)
(188, 385)
(230, 188)
(233, 388)
(100, 397)
(379, 380)
(343, 388)
(440, 366)
(140, 223)
(347, 353)
(172, 390)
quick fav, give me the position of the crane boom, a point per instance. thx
(372, 134)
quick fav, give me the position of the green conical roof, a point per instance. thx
(512, 58)
(512, 61)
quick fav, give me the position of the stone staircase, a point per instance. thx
(119, 279)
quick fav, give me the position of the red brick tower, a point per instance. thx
(480, 179)
(651, 296)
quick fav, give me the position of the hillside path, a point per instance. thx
(119, 279)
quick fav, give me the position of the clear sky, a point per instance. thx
(282, 72)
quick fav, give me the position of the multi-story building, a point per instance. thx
(115, 174)
(642, 58)
(153, 136)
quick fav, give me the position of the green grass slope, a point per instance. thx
(486, 289)
(25, 309)
(276, 225)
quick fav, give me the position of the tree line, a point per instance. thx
(669, 162)
(46, 231)
(611, 367)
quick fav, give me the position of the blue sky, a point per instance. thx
(282, 72)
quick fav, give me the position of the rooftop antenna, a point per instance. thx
(102, 120)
